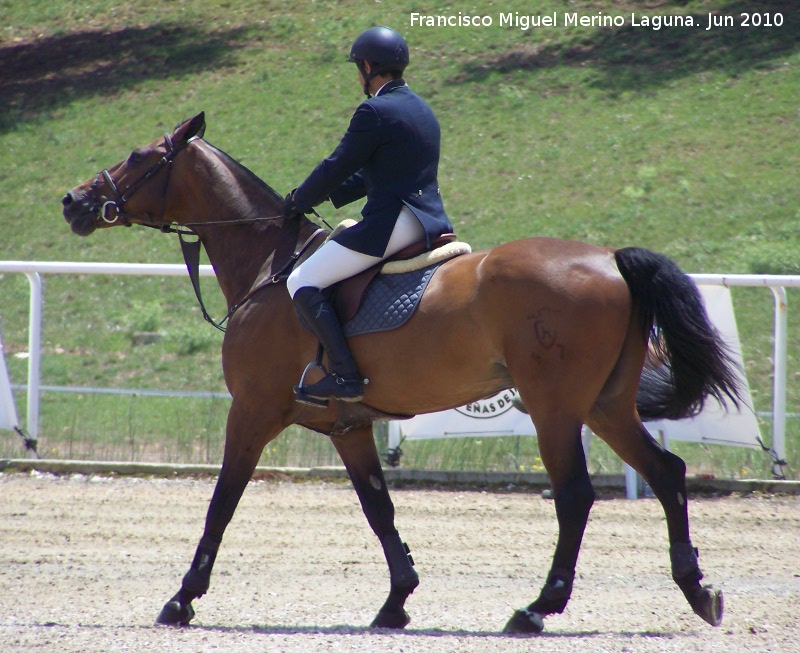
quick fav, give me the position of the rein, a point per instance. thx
(112, 212)
(191, 256)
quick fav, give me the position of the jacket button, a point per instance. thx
(419, 192)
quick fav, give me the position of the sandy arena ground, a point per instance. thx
(87, 562)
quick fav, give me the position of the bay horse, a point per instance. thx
(566, 323)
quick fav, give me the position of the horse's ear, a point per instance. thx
(194, 127)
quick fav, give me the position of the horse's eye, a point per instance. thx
(135, 157)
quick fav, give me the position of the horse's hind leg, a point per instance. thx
(360, 457)
(665, 473)
(562, 454)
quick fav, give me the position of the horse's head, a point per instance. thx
(134, 191)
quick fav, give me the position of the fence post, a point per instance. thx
(34, 352)
(779, 374)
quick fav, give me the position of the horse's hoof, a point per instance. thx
(395, 619)
(175, 614)
(524, 622)
(709, 605)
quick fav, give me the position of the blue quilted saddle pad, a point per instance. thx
(389, 301)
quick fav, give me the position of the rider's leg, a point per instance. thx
(330, 264)
(407, 231)
(344, 381)
(333, 262)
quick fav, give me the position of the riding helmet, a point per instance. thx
(381, 46)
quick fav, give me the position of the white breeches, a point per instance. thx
(333, 262)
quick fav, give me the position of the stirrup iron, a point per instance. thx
(334, 386)
(299, 389)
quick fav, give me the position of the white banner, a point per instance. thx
(8, 410)
(485, 418)
(497, 416)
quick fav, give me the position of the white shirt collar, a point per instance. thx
(385, 85)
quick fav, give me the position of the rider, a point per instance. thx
(390, 153)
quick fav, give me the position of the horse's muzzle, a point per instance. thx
(79, 213)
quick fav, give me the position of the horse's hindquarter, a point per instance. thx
(533, 309)
(567, 313)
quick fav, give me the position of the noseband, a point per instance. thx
(112, 211)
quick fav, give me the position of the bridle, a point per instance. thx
(113, 212)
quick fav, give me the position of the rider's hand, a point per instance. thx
(289, 209)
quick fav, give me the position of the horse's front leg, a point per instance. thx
(243, 446)
(360, 456)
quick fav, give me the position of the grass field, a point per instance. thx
(680, 139)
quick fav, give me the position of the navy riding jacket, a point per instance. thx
(390, 154)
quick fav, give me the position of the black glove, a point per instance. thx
(289, 208)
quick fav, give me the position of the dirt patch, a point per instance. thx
(87, 562)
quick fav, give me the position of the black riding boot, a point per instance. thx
(343, 382)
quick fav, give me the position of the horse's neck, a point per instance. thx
(227, 194)
(238, 254)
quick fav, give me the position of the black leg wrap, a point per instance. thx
(555, 594)
(198, 578)
(178, 611)
(706, 601)
(401, 564)
(685, 570)
(403, 579)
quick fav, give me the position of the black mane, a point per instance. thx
(247, 172)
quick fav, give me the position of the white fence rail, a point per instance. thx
(33, 271)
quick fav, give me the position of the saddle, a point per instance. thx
(349, 293)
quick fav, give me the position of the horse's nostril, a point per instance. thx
(67, 200)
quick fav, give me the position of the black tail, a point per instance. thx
(699, 363)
